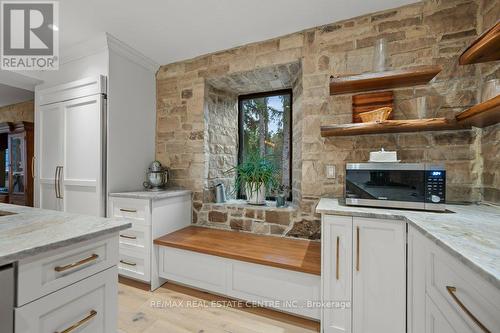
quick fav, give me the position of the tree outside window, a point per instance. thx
(265, 128)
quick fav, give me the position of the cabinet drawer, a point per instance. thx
(135, 209)
(450, 283)
(134, 264)
(137, 238)
(90, 304)
(48, 272)
(286, 290)
(195, 269)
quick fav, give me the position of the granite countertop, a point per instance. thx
(150, 195)
(31, 230)
(470, 233)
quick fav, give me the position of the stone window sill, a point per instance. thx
(270, 205)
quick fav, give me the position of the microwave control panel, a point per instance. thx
(435, 186)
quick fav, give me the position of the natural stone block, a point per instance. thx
(370, 41)
(261, 228)
(407, 22)
(457, 18)
(218, 217)
(250, 213)
(187, 93)
(277, 229)
(454, 138)
(278, 217)
(240, 224)
(384, 15)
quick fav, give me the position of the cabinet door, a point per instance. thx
(379, 276)
(336, 272)
(83, 172)
(436, 322)
(50, 154)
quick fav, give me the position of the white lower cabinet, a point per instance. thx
(151, 218)
(457, 299)
(364, 258)
(88, 306)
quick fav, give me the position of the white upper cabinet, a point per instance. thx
(50, 154)
(95, 126)
(70, 149)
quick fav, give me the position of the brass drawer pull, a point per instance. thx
(357, 249)
(73, 327)
(76, 264)
(337, 274)
(451, 290)
(128, 237)
(128, 210)
(128, 263)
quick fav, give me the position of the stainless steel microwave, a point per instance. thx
(396, 185)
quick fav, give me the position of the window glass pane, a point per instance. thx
(266, 131)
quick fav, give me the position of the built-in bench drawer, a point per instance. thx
(455, 289)
(43, 274)
(282, 289)
(195, 269)
(135, 209)
(88, 306)
(134, 264)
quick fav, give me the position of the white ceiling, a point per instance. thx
(173, 30)
(12, 95)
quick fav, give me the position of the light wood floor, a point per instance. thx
(136, 313)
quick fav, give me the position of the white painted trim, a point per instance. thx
(84, 49)
(130, 53)
(19, 80)
(75, 89)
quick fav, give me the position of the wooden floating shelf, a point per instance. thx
(393, 126)
(485, 48)
(413, 76)
(483, 114)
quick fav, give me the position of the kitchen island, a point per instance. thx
(433, 271)
(63, 269)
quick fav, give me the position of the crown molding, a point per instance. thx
(84, 49)
(116, 45)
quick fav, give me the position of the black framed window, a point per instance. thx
(265, 127)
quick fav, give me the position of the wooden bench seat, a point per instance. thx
(292, 254)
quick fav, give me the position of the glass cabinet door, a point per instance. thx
(17, 163)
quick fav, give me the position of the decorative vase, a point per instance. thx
(256, 195)
(380, 55)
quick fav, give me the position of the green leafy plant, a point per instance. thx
(254, 172)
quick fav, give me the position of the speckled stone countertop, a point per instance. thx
(470, 233)
(32, 231)
(149, 195)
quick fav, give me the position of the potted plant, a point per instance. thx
(255, 175)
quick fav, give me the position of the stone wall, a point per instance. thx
(222, 140)
(490, 141)
(429, 32)
(24, 111)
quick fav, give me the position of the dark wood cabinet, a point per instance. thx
(16, 163)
